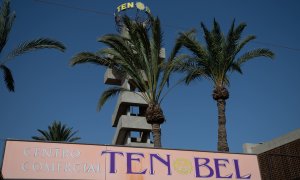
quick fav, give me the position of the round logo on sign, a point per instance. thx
(183, 166)
(140, 6)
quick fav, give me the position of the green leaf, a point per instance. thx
(189, 41)
(262, 52)
(41, 43)
(57, 132)
(109, 93)
(235, 67)
(194, 74)
(6, 21)
(88, 57)
(8, 78)
(218, 57)
(244, 42)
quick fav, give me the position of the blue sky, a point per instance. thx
(263, 104)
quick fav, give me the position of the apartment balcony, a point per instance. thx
(112, 77)
(125, 100)
(127, 124)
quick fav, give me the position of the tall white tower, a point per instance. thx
(129, 119)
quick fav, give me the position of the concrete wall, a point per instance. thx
(279, 159)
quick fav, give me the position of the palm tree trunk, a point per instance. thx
(222, 134)
(155, 116)
(156, 135)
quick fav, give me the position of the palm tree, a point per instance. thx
(57, 132)
(214, 61)
(6, 21)
(138, 57)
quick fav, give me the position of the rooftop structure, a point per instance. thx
(279, 158)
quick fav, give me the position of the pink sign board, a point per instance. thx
(40, 160)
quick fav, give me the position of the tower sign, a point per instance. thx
(140, 6)
(136, 11)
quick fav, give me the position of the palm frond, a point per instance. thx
(184, 62)
(232, 42)
(262, 52)
(45, 134)
(124, 53)
(156, 42)
(136, 54)
(239, 30)
(6, 21)
(109, 93)
(167, 70)
(119, 44)
(71, 136)
(74, 139)
(244, 42)
(158, 66)
(219, 55)
(108, 53)
(131, 54)
(218, 42)
(236, 67)
(234, 34)
(8, 78)
(57, 132)
(189, 41)
(38, 138)
(208, 39)
(194, 74)
(41, 43)
(53, 132)
(89, 57)
(178, 45)
(145, 56)
(126, 61)
(169, 89)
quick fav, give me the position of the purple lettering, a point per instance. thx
(129, 163)
(205, 164)
(237, 171)
(112, 160)
(165, 162)
(218, 164)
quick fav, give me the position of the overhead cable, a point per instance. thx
(169, 26)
